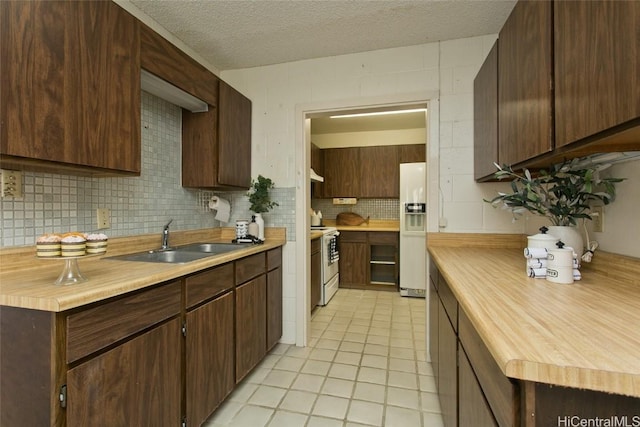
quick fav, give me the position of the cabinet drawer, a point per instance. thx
(448, 301)
(96, 328)
(208, 284)
(501, 393)
(383, 238)
(353, 236)
(250, 267)
(274, 258)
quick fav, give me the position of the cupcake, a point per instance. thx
(73, 244)
(48, 245)
(97, 243)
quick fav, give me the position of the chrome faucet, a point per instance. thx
(165, 236)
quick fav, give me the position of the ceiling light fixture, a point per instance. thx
(378, 113)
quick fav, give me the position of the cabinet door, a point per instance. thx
(379, 172)
(447, 369)
(354, 259)
(316, 273)
(71, 85)
(434, 303)
(524, 85)
(341, 172)
(274, 307)
(210, 374)
(485, 116)
(251, 339)
(412, 153)
(317, 163)
(136, 383)
(597, 58)
(234, 138)
(474, 410)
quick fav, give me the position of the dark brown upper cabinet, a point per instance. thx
(525, 66)
(597, 69)
(216, 145)
(70, 86)
(485, 116)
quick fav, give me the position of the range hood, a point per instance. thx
(315, 177)
(173, 94)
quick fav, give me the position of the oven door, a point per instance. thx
(329, 289)
(330, 257)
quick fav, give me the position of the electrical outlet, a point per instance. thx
(103, 217)
(597, 214)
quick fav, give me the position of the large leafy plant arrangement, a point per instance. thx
(563, 193)
(259, 195)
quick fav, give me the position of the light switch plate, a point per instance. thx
(11, 183)
(597, 215)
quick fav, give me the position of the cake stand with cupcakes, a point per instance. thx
(70, 247)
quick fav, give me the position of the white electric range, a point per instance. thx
(330, 255)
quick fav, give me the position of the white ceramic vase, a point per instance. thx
(260, 222)
(570, 236)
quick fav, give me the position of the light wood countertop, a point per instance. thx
(374, 225)
(28, 282)
(585, 335)
(315, 234)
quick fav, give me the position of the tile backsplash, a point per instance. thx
(373, 208)
(138, 205)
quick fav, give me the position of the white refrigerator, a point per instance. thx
(413, 227)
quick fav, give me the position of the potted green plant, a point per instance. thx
(564, 193)
(260, 200)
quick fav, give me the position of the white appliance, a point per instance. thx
(329, 256)
(413, 227)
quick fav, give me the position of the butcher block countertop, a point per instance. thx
(28, 282)
(585, 335)
(374, 225)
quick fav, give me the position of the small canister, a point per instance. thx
(242, 228)
(560, 264)
(542, 240)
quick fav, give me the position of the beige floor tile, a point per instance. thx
(430, 402)
(348, 358)
(380, 350)
(322, 354)
(316, 367)
(372, 375)
(365, 412)
(355, 337)
(338, 387)
(403, 380)
(252, 416)
(293, 364)
(343, 371)
(323, 422)
(354, 347)
(298, 401)
(267, 396)
(402, 417)
(427, 383)
(370, 392)
(403, 365)
(432, 420)
(308, 382)
(328, 344)
(374, 361)
(403, 397)
(279, 378)
(299, 352)
(331, 406)
(333, 335)
(243, 392)
(402, 353)
(288, 419)
(224, 414)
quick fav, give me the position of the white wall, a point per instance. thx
(447, 68)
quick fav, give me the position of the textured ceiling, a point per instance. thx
(232, 34)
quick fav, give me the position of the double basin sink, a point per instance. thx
(182, 254)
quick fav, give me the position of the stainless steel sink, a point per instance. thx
(182, 254)
(213, 248)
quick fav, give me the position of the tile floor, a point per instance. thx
(365, 366)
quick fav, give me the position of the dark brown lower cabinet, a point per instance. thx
(476, 392)
(136, 383)
(209, 354)
(251, 333)
(447, 369)
(274, 308)
(473, 408)
(316, 274)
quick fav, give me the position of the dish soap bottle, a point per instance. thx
(253, 227)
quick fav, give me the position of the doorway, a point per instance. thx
(304, 115)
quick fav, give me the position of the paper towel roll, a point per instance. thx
(222, 208)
